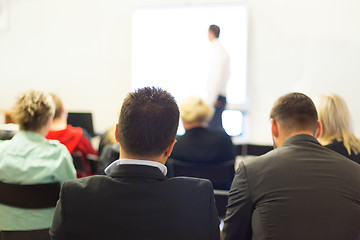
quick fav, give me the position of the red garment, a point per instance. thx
(76, 143)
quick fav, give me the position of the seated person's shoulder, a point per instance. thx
(4, 143)
(74, 130)
(187, 188)
(5, 146)
(81, 183)
(85, 133)
(112, 147)
(110, 153)
(56, 145)
(190, 182)
(265, 159)
(219, 134)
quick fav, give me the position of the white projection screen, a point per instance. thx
(170, 48)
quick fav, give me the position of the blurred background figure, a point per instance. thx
(218, 77)
(199, 143)
(337, 133)
(107, 138)
(28, 159)
(76, 139)
(109, 149)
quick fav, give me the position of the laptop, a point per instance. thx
(83, 120)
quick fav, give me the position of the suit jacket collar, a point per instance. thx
(142, 171)
(300, 138)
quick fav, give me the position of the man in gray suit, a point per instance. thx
(300, 190)
(136, 201)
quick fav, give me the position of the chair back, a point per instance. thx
(221, 200)
(220, 174)
(252, 149)
(78, 164)
(29, 196)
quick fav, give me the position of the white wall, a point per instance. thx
(77, 49)
(82, 50)
(311, 46)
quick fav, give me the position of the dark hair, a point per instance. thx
(215, 29)
(295, 112)
(148, 122)
(58, 105)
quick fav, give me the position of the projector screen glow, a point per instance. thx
(171, 50)
(233, 122)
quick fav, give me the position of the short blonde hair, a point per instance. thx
(335, 119)
(194, 109)
(58, 105)
(32, 109)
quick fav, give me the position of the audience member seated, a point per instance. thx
(136, 200)
(299, 190)
(108, 149)
(107, 138)
(27, 159)
(109, 154)
(200, 144)
(337, 134)
(74, 138)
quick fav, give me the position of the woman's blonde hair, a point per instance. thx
(194, 109)
(109, 136)
(335, 119)
(32, 109)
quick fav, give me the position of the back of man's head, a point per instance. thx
(295, 112)
(148, 122)
(215, 30)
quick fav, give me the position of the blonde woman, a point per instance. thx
(200, 144)
(337, 134)
(28, 158)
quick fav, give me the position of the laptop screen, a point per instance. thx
(81, 119)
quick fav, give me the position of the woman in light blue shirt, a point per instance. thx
(28, 158)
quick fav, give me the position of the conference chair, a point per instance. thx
(29, 196)
(220, 174)
(79, 164)
(252, 149)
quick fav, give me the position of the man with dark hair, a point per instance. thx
(136, 200)
(218, 77)
(215, 30)
(300, 190)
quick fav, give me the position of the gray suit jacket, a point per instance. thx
(298, 191)
(136, 202)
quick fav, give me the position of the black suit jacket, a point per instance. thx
(339, 147)
(136, 202)
(300, 190)
(203, 145)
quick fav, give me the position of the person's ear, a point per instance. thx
(274, 128)
(318, 130)
(169, 149)
(49, 121)
(117, 133)
(64, 112)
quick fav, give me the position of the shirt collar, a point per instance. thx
(215, 41)
(31, 135)
(118, 162)
(300, 137)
